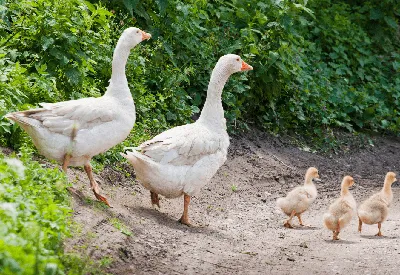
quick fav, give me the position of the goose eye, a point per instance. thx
(237, 59)
(137, 31)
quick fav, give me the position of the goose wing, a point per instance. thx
(183, 145)
(62, 117)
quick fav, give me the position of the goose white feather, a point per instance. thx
(112, 115)
(184, 159)
(72, 132)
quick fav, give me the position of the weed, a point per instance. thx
(106, 261)
(120, 226)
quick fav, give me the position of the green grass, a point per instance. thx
(120, 226)
(234, 188)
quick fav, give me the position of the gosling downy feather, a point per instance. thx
(182, 160)
(342, 210)
(300, 198)
(375, 209)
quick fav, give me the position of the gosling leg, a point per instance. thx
(154, 199)
(379, 228)
(287, 223)
(336, 232)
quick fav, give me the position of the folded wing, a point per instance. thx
(183, 145)
(62, 117)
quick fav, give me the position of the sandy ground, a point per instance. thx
(241, 231)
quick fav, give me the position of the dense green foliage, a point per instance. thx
(34, 214)
(318, 64)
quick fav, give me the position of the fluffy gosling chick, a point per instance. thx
(341, 210)
(376, 208)
(300, 198)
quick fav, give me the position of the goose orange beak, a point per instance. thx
(246, 67)
(145, 36)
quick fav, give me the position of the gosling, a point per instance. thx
(376, 208)
(341, 210)
(300, 198)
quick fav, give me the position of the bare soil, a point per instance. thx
(242, 231)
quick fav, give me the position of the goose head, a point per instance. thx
(133, 36)
(232, 63)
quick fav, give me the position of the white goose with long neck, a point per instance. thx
(183, 159)
(72, 132)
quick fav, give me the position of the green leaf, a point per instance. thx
(47, 42)
(162, 5)
(391, 22)
(130, 5)
(375, 14)
(51, 269)
(74, 76)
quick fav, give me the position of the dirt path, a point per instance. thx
(241, 231)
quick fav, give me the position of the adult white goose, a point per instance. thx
(93, 124)
(183, 159)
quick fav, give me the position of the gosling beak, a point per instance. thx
(145, 36)
(317, 180)
(246, 67)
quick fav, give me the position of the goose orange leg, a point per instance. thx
(287, 223)
(154, 199)
(94, 185)
(185, 216)
(67, 158)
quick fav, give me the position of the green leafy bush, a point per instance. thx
(318, 65)
(34, 214)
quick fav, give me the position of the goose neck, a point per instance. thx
(213, 111)
(119, 61)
